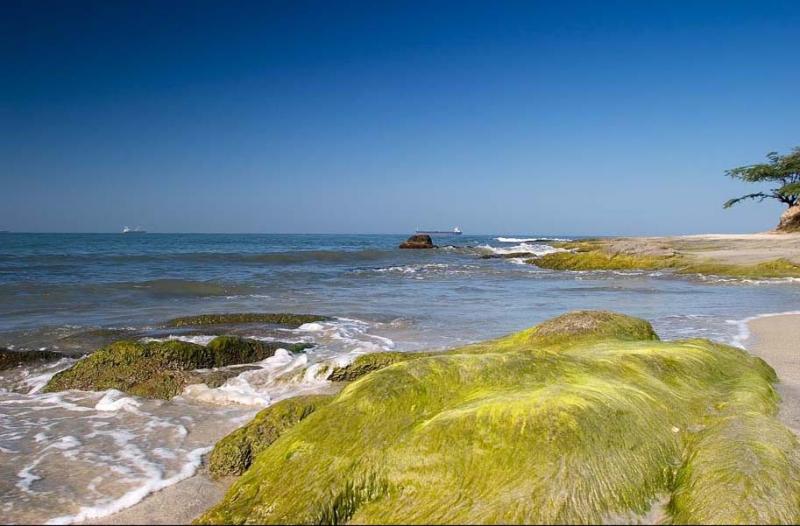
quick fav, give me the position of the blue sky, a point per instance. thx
(513, 117)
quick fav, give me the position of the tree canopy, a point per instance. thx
(781, 170)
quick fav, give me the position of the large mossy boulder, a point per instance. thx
(550, 425)
(271, 318)
(10, 359)
(160, 369)
(233, 454)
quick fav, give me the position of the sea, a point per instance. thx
(72, 456)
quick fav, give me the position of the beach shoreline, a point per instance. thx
(772, 337)
(776, 339)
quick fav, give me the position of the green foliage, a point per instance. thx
(233, 454)
(290, 320)
(783, 170)
(537, 427)
(159, 369)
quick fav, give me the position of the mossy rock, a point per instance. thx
(600, 260)
(233, 454)
(601, 255)
(777, 268)
(592, 324)
(367, 363)
(10, 359)
(159, 369)
(289, 320)
(521, 430)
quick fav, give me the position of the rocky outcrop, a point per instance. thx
(9, 358)
(790, 220)
(233, 454)
(161, 369)
(272, 318)
(418, 241)
(588, 416)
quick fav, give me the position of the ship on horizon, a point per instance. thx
(137, 230)
(455, 232)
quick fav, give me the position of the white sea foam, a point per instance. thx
(743, 330)
(529, 239)
(153, 483)
(535, 249)
(202, 339)
(115, 400)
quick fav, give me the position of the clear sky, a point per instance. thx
(593, 117)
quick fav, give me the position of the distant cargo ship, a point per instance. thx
(455, 232)
(137, 230)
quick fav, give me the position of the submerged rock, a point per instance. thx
(289, 320)
(233, 454)
(9, 358)
(160, 369)
(418, 241)
(583, 418)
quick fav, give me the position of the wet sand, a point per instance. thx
(180, 503)
(776, 339)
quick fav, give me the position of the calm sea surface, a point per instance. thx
(75, 292)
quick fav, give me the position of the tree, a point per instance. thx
(783, 171)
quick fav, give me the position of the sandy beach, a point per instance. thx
(776, 339)
(177, 504)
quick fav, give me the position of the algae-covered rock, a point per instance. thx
(9, 358)
(159, 369)
(593, 324)
(289, 320)
(525, 429)
(370, 362)
(233, 454)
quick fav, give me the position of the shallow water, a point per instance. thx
(75, 455)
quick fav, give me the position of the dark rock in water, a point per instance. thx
(276, 318)
(511, 255)
(160, 369)
(418, 241)
(9, 358)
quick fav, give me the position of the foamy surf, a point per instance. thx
(75, 456)
(529, 239)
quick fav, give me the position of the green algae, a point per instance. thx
(367, 363)
(9, 358)
(290, 320)
(233, 454)
(600, 260)
(159, 369)
(597, 255)
(537, 427)
(777, 268)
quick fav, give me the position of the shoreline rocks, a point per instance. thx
(418, 241)
(10, 359)
(162, 369)
(587, 415)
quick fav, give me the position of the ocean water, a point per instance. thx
(69, 456)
